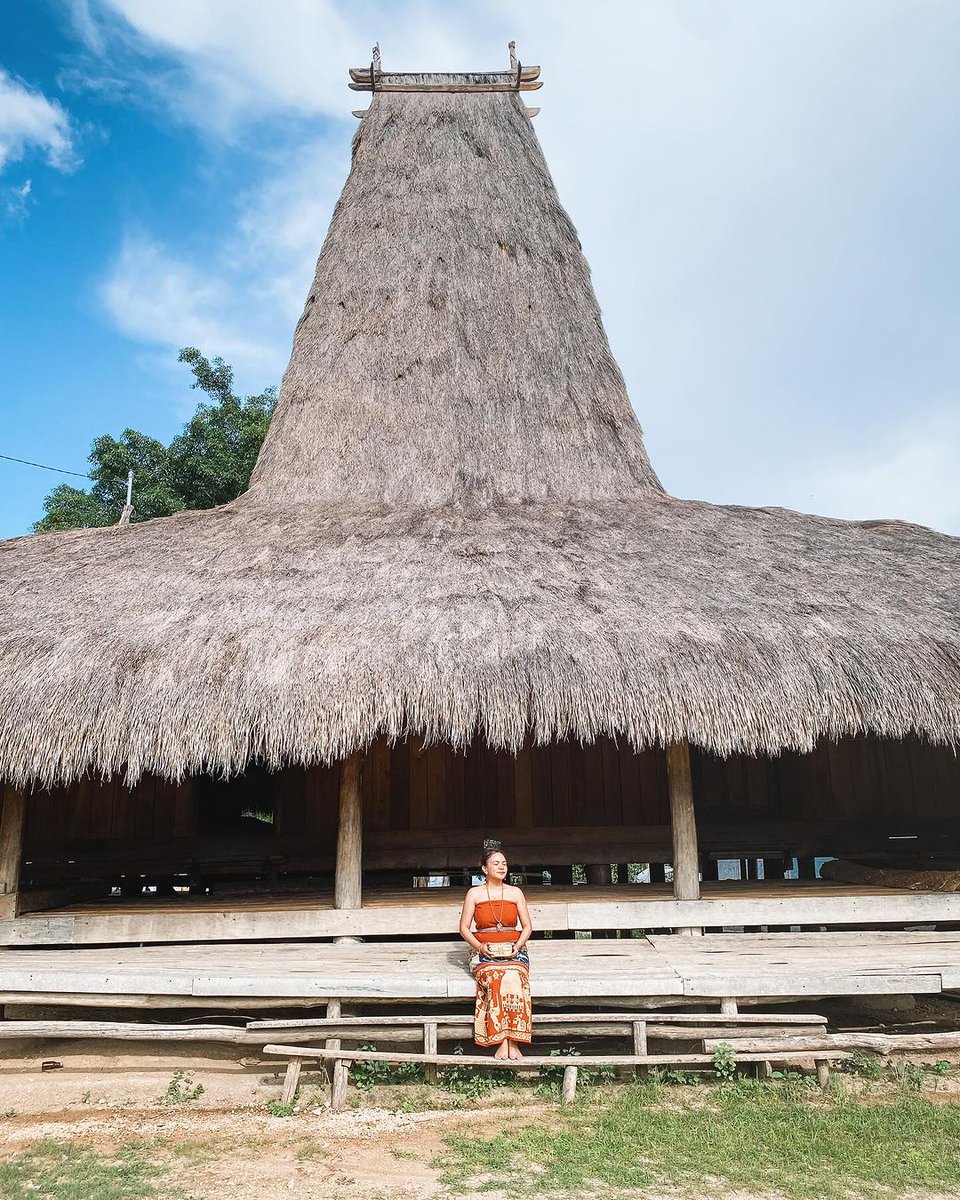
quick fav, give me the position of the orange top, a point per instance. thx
(486, 915)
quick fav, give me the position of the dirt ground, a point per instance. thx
(369, 1154)
(223, 1142)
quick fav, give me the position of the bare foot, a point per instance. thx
(502, 1051)
(515, 1051)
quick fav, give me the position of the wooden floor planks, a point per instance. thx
(713, 966)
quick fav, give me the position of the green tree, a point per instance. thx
(207, 463)
(212, 458)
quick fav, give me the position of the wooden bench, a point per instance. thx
(298, 1055)
(639, 1027)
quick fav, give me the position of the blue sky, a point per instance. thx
(768, 194)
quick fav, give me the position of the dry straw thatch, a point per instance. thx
(453, 528)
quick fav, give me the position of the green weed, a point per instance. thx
(181, 1090)
(724, 1061)
(870, 1066)
(473, 1083)
(366, 1073)
(276, 1108)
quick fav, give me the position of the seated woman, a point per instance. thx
(499, 959)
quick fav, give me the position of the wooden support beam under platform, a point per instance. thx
(637, 972)
(435, 911)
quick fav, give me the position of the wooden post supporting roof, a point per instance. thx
(686, 855)
(347, 885)
(12, 813)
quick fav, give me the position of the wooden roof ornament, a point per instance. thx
(454, 529)
(517, 79)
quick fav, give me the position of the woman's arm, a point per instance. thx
(466, 918)
(526, 925)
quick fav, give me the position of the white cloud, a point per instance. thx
(30, 122)
(16, 199)
(243, 300)
(159, 298)
(909, 473)
(763, 192)
(242, 60)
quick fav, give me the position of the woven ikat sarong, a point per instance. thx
(503, 1008)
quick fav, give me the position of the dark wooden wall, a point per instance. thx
(429, 807)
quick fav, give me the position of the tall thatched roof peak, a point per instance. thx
(451, 347)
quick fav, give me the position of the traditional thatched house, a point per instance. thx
(456, 572)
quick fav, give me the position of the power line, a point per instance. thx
(43, 466)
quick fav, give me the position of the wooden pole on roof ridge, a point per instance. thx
(686, 855)
(12, 816)
(347, 885)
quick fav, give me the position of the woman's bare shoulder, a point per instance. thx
(475, 892)
(513, 893)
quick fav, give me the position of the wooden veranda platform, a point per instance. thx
(435, 911)
(665, 969)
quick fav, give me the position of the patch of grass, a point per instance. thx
(63, 1172)
(191, 1150)
(312, 1151)
(763, 1137)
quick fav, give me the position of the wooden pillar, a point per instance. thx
(347, 885)
(686, 858)
(12, 814)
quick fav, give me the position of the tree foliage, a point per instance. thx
(207, 463)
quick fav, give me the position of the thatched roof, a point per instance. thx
(453, 528)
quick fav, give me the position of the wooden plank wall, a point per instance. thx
(885, 788)
(893, 784)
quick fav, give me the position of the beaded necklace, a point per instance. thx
(490, 902)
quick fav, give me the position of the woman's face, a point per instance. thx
(496, 867)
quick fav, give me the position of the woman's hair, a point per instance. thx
(490, 848)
